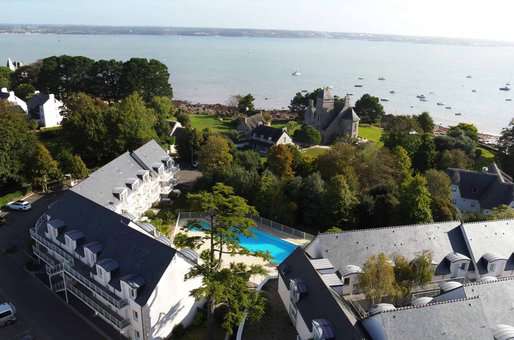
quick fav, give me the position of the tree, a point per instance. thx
(415, 201)
(307, 135)
(245, 105)
(25, 91)
(214, 154)
(104, 79)
(506, 150)
(300, 101)
(454, 158)
(16, 145)
(402, 131)
(248, 159)
(424, 156)
(425, 122)
(227, 216)
(43, 168)
(439, 184)
(501, 212)
(469, 130)
(369, 109)
(377, 279)
(417, 272)
(188, 144)
(313, 192)
(148, 77)
(403, 162)
(340, 201)
(130, 124)
(280, 161)
(5, 77)
(338, 160)
(84, 127)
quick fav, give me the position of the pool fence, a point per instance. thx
(261, 223)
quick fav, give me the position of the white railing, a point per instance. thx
(51, 246)
(113, 319)
(44, 256)
(109, 297)
(260, 222)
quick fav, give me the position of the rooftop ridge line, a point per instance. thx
(477, 283)
(388, 227)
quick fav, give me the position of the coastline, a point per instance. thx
(224, 110)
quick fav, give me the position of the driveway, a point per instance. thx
(40, 313)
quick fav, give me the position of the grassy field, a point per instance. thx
(201, 122)
(315, 152)
(370, 132)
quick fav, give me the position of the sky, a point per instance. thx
(482, 19)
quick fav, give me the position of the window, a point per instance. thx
(132, 293)
(4, 314)
(346, 281)
(463, 266)
(492, 267)
(136, 334)
(293, 312)
(135, 315)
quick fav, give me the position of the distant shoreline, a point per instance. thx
(239, 32)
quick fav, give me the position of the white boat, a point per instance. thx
(473, 90)
(296, 74)
(358, 85)
(384, 99)
(448, 108)
(458, 114)
(392, 92)
(440, 104)
(469, 77)
(381, 78)
(505, 88)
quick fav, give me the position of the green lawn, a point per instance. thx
(315, 152)
(486, 154)
(216, 124)
(10, 197)
(370, 132)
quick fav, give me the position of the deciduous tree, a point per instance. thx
(369, 109)
(377, 279)
(214, 154)
(415, 201)
(280, 161)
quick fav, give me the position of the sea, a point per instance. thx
(463, 80)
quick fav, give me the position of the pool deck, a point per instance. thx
(246, 259)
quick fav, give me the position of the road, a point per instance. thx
(40, 313)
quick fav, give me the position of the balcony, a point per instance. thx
(50, 245)
(104, 312)
(111, 298)
(43, 255)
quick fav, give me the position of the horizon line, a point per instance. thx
(349, 33)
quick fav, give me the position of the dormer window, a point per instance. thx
(132, 183)
(133, 293)
(297, 290)
(120, 193)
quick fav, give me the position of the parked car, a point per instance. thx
(19, 205)
(7, 314)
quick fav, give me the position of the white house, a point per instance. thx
(263, 137)
(46, 109)
(10, 97)
(481, 191)
(132, 281)
(13, 65)
(133, 182)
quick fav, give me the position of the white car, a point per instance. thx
(19, 205)
(7, 314)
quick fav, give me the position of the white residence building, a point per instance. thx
(94, 248)
(10, 97)
(133, 182)
(46, 109)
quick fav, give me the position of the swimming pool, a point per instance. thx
(263, 241)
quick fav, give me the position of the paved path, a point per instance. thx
(41, 314)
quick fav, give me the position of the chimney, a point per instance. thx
(36, 92)
(51, 97)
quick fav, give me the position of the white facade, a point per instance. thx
(166, 308)
(50, 112)
(11, 98)
(296, 318)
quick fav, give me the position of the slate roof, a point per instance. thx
(490, 237)
(252, 121)
(347, 113)
(355, 247)
(490, 188)
(107, 232)
(266, 132)
(99, 186)
(318, 302)
(460, 319)
(37, 100)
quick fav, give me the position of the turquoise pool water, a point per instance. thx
(262, 241)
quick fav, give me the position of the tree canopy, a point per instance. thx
(369, 109)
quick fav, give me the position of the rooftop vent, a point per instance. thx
(298, 289)
(449, 286)
(486, 279)
(381, 307)
(454, 257)
(503, 332)
(421, 301)
(351, 269)
(491, 257)
(322, 329)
